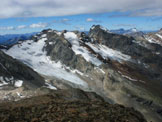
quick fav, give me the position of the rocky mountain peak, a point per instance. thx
(99, 28)
(134, 30)
(161, 29)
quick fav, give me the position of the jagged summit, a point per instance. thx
(161, 29)
(133, 30)
(97, 27)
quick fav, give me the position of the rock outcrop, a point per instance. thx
(72, 105)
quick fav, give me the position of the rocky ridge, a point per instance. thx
(67, 105)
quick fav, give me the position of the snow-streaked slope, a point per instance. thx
(50, 86)
(32, 54)
(80, 50)
(3, 82)
(155, 38)
(106, 52)
(160, 36)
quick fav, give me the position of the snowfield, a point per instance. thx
(79, 50)
(18, 83)
(32, 54)
(106, 52)
(160, 36)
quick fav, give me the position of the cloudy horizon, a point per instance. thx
(32, 15)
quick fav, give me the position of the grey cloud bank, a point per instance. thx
(45, 8)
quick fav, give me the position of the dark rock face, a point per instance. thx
(127, 46)
(119, 42)
(60, 50)
(11, 68)
(56, 107)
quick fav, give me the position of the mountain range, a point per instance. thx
(10, 39)
(123, 67)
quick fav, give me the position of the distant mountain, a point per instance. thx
(123, 31)
(10, 39)
(154, 37)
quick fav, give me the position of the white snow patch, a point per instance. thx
(76, 71)
(129, 78)
(18, 83)
(124, 76)
(160, 36)
(50, 31)
(79, 50)
(105, 29)
(92, 27)
(106, 52)
(3, 81)
(152, 40)
(101, 70)
(58, 33)
(44, 35)
(50, 86)
(134, 30)
(50, 43)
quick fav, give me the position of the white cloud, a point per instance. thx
(65, 20)
(21, 26)
(34, 25)
(38, 25)
(37, 8)
(89, 20)
(7, 28)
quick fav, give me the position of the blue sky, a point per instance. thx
(32, 16)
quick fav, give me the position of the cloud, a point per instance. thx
(32, 26)
(7, 28)
(39, 25)
(45, 8)
(90, 20)
(65, 20)
(21, 26)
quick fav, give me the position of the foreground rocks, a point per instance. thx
(67, 105)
